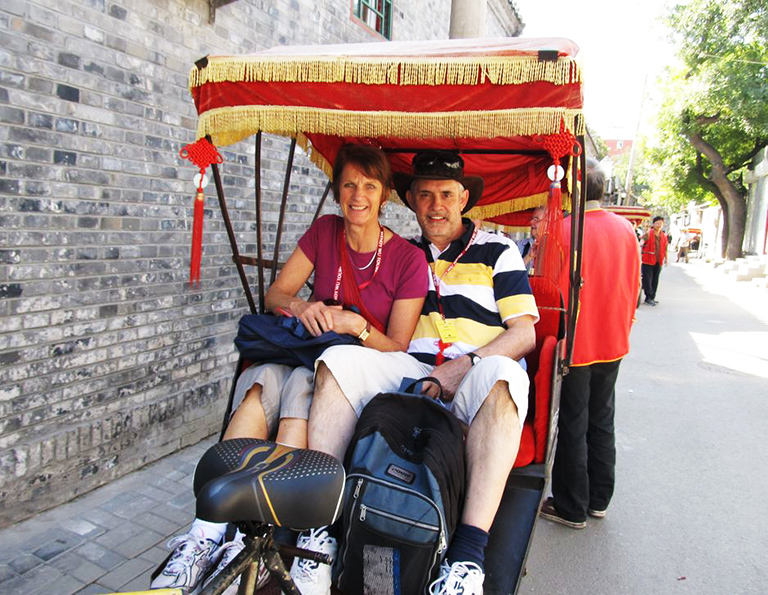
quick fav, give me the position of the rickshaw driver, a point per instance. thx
(480, 333)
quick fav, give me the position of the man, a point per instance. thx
(683, 244)
(584, 469)
(529, 247)
(476, 324)
(654, 257)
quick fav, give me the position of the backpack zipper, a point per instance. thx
(393, 517)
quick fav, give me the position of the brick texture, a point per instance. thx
(108, 359)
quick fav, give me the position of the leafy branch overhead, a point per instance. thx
(714, 117)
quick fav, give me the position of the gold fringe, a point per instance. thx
(498, 70)
(513, 205)
(229, 125)
(509, 206)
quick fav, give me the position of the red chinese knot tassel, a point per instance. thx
(558, 146)
(197, 238)
(202, 153)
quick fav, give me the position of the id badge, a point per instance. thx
(447, 331)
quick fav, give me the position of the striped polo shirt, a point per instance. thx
(488, 286)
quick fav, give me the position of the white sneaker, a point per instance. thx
(313, 578)
(459, 578)
(228, 553)
(191, 559)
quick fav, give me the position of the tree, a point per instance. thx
(714, 117)
(639, 188)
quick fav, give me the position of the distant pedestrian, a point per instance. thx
(683, 244)
(584, 470)
(529, 247)
(654, 253)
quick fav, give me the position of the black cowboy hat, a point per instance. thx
(439, 165)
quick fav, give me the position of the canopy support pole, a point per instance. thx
(322, 201)
(283, 203)
(577, 231)
(231, 236)
(259, 237)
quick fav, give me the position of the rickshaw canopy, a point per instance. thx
(491, 99)
(635, 215)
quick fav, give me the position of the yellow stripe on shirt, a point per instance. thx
(474, 273)
(468, 331)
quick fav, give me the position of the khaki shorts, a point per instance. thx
(285, 391)
(363, 373)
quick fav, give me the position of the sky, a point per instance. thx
(622, 51)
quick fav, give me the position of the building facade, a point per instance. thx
(108, 358)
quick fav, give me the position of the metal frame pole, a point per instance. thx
(286, 185)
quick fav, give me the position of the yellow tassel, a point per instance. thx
(231, 124)
(499, 70)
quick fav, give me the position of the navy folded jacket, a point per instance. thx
(265, 338)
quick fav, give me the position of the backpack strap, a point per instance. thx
(411, 388)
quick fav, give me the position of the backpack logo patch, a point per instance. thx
(400, 474)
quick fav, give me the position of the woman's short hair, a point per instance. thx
(371, 161)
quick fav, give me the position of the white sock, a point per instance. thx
(204, 529)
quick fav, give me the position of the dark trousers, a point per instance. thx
(584, 470)
(651, 274)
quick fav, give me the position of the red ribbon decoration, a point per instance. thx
(550, 258)
(202, 153)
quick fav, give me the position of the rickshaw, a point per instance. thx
(511, 107)
(635, 215)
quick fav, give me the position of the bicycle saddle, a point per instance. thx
(247, 479)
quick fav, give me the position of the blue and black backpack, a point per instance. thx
(402, 496)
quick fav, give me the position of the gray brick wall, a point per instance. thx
(108, 359)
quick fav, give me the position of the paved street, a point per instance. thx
(688, 515)
(108, 540)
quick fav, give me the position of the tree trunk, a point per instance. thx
(724, 237)
(736, 216)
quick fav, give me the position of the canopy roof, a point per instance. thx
(484, 97)
(635, 214)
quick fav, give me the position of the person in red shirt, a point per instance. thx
(654, 257)
(583, 474)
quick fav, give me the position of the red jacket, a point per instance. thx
(649, 248)
(610, 270)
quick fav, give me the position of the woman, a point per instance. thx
(356, 262)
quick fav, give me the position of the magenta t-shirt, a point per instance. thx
(403, 273)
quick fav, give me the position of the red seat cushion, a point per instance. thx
(543, 387)
(526, 452)
(533, 442)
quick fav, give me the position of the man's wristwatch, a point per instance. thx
(474, 358)
(365, 333)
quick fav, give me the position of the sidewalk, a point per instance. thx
(110, 539)
(691, 415)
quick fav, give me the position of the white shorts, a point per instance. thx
(363, 373)
(285, 391)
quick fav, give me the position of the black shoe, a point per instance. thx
(597, 513)
(650, 302)
(549, 512)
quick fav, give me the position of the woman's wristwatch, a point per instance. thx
(365, 333)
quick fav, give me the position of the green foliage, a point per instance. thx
(719, 92)
(641, 181)
(600, 146)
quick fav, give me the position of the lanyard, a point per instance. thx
(440, 357)
(379, 250)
